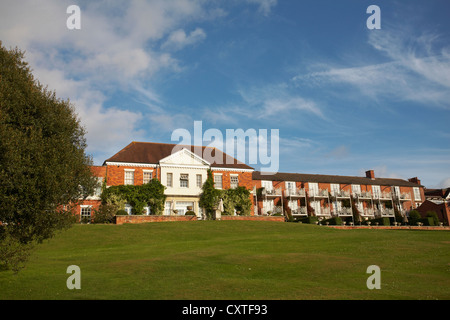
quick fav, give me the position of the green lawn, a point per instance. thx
(234, 260)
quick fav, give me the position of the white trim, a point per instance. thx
(182, 166)
(131, 164)
(189, 153)
(130, 170)
(231, 169)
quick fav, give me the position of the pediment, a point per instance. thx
(184, 157)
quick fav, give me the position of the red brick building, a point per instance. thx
(183, 170)
(437, 200)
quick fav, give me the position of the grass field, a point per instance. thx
(234, 260)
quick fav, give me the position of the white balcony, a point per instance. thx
(295, 193)
(322, 193)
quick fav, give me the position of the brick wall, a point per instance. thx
(143, 219)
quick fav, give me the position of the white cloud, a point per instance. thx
(178, 39)
(415, 72)
(264, 6)
(113, 51)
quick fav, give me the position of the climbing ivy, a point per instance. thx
(150, 194)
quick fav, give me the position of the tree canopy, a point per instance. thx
(43, 165)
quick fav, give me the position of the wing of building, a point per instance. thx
(183, 170)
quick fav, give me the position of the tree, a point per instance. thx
(210, 196)
(43, 166)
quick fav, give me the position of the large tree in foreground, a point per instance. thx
(43, 165)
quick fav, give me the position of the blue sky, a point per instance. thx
(344, 98)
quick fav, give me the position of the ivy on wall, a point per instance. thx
(150, 194)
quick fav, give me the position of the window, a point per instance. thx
(85, 213)
(168, 208)
(417, 196)
(334, 187)
(129, 177)
(218, 181)
(234, 181)
(147, 211)
(376, 191)
(169, 179)
(290, 185)
(267, 185)
(356, 189)
(397, 191)
(147, 176)
(128, 209)
(184, 180)
(313, 188)
(98, 189)
(199, 181)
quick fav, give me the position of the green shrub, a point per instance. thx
(190, 213)
(434, 216)
(332, 221)
(121, 213)
(310, 220)
(105, 214)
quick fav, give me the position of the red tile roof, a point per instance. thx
(152, 153)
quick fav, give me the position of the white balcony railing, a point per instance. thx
(295, 192)
(322, 193)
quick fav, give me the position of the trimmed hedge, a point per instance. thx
(385, 221)
(310, 220)
(335, 221)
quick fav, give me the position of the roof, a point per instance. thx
(437, 193)
(152, 153)
(301, 177)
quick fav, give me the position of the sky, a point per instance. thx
(343, 97)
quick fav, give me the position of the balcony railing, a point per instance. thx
(300, 211)
(272, 192)
(362, 195)
(322, 193)
(384, 195)
(295, 193)
(345, 211)
(402, 197)
(323, 212)
(385, 213)
(368, 212)
(340, 194)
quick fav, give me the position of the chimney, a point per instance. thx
(370, 174)
(414, 180)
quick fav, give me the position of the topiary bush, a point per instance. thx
(121, 213)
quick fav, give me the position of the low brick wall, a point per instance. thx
(254, 218)
(144, 219)
(393, 227)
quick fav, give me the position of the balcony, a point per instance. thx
(402, 197)
(272, 192)
(383, 196)
(384, 213)
(300, 212)
(340, 194)
(293, 193)
(363, 195)
(345, 212)
(322, 193)
(323, 212)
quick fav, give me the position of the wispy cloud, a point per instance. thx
(416, 70)
(178, 39)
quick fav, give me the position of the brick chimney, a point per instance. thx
(370, 174)
(414, 180)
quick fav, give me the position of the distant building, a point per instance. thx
(183, 170)
(437, 200)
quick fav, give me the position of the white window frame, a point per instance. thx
(145, 178)
(376, 191)
(82, 215)
(184, 180)
(234, 185)
(129, 209)
(217, 182)
(335, 188)
(267, 185)
(356, 189)
(199, 181)
(417, 195)
(313, 188)
(169, 182)
(128, 177)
